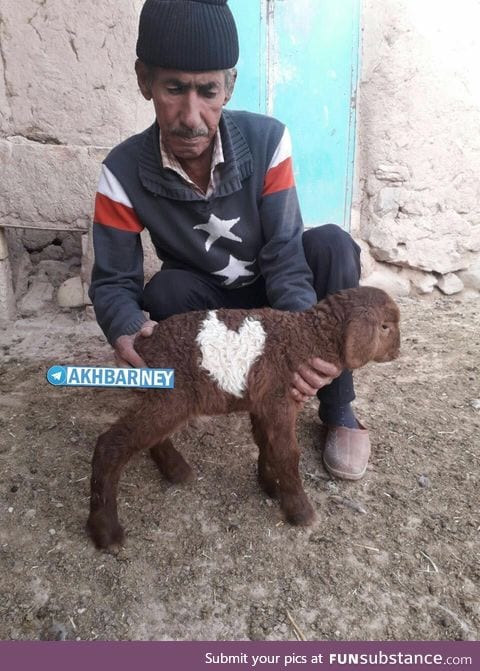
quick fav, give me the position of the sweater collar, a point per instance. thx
(237, 167)
(170, 161)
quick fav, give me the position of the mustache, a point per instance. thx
(189, 133)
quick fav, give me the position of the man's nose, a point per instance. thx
(190, 112)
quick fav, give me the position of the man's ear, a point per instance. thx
(143, 79)
(361, 339)
(231, 88)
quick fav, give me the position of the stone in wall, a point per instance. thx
(70, 293)
(38, 299)
(441, 243)
(368, 263)
(450, 284)
(388, 200)
(388, 279)
(471, 277)
(71, 243)
(34, 241)
(424, 283)
(54, 256)
(388, 172)
(392, 200)
(56, 271)
(51, 252)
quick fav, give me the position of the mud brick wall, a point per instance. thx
(68, 93)
(419, 144)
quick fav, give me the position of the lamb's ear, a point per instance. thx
(361, 339)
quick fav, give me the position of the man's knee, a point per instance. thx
(171, 292)
(334, 257)
(332, 237)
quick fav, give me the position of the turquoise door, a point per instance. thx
(299, 63)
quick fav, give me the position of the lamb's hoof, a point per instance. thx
(171, 464)
(269, 487)
(106, 536)
(181, 473)
(301, 514)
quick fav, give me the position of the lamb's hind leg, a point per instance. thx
(278, 462)
(170, 463)
(138, 430)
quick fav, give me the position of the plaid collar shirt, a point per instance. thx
(169, 161)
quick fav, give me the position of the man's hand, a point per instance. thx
(311, 377)
(124, 352)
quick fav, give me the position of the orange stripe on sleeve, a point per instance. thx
(279, 178)
(111, 213)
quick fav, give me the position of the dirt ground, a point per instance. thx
(394, 556)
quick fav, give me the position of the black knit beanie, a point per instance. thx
(190, 35)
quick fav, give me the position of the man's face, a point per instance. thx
(188, 106)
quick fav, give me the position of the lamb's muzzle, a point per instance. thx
(239, 360)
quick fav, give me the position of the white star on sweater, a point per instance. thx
(235, 269)
(218, 228)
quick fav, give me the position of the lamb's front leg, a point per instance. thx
(278, 462)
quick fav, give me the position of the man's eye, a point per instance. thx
(208, 93)
(175, 90)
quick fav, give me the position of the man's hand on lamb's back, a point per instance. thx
(124, 351)
(312, 376)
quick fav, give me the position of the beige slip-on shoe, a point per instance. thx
(346, 452)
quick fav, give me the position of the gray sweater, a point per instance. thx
(251, 225)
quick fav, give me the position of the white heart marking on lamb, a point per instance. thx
(228, 355)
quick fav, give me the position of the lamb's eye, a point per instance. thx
(385, 327)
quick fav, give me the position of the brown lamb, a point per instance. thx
(348, 329)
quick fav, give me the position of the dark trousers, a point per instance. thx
(332, 255)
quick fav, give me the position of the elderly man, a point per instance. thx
(215, 189)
